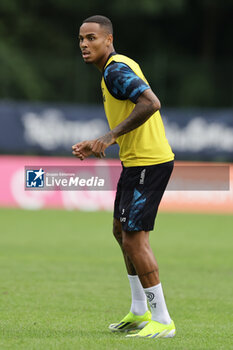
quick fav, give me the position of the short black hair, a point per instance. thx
(102, 20)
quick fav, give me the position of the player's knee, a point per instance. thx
(134, 244)
(117, 231)
(128, 245)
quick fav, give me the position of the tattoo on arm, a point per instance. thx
(141, 113)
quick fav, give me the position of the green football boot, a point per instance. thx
(156, 330)
(131, 322)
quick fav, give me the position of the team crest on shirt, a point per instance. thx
(104, 98)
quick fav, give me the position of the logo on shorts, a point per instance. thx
(122, 219)
(142, 177)
(150, 296)
(35, 178)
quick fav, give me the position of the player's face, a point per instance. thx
(94, 43)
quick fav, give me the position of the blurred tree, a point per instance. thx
(182, 45)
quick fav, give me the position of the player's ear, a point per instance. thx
(110, 39)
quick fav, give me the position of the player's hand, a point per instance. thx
(82, 149)
(99, 146)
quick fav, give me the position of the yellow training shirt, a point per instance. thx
(145, 145)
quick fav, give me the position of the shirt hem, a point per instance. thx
(128, 164)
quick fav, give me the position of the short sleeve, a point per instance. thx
(123, 83)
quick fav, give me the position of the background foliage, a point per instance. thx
(183, 46)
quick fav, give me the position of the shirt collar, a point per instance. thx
(111, 54)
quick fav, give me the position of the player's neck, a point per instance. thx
(101, 64)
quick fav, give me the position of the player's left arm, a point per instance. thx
(146, 105)
(123, 84)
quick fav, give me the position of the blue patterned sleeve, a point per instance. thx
(123, 83)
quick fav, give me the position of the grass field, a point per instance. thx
(63, 281)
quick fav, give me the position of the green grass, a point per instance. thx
(63, 281)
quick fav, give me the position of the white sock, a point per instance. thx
(157, 304)
(139, 300)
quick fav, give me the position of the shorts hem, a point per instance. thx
(141, 229)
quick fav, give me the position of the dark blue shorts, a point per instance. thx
(139, 193)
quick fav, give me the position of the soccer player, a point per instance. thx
(132, 110)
